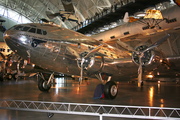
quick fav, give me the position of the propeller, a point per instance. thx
(90, 53)
(141, 54)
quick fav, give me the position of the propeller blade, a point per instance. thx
(125, 46)
(140, 72)
(94, 51)
(81, 73)
(72, 51)
(157, 43)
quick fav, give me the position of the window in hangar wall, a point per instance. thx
(10, 14)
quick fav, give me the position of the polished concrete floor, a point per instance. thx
(164, 94)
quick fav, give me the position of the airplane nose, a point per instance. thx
(9, 38)
(6, 36)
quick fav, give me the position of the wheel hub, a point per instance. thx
(45, 86)
(114, 90)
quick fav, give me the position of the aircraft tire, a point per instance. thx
(110, 90)
(42, 85)
(9, 76)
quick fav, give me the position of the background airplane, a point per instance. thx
(67, 14)
(153, 23)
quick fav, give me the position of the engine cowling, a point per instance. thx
(25, 66)
(147, 57)
(92, 64)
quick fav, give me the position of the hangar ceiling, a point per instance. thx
(34, 10)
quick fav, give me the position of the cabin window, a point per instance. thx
(39, 31)
(25, 28)
(126, 33)
(112, 37)
(8, 50)
(44, 32)
(2, 50)
(33, 30)
(19, 27)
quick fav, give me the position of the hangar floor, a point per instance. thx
(164, 94)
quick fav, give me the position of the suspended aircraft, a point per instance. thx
(67, 14)
(153, 22)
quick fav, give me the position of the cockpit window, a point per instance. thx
(33, 30)
(39, 31)
(44, 32)
(25, 28)
(19, 27)
(12, 27)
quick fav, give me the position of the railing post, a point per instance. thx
(100, 116)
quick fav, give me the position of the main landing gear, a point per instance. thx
(43, 84)
(110, 88)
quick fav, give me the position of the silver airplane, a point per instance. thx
(60, 50)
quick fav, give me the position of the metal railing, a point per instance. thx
(99, 110)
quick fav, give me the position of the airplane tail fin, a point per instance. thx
(126, 17)
(51, 15)
(129, 19)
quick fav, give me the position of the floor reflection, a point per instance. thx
(151, 95)
(163, 94)
(63, 83)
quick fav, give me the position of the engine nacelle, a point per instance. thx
(25, 66)
(151, 58)
(92, 64)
